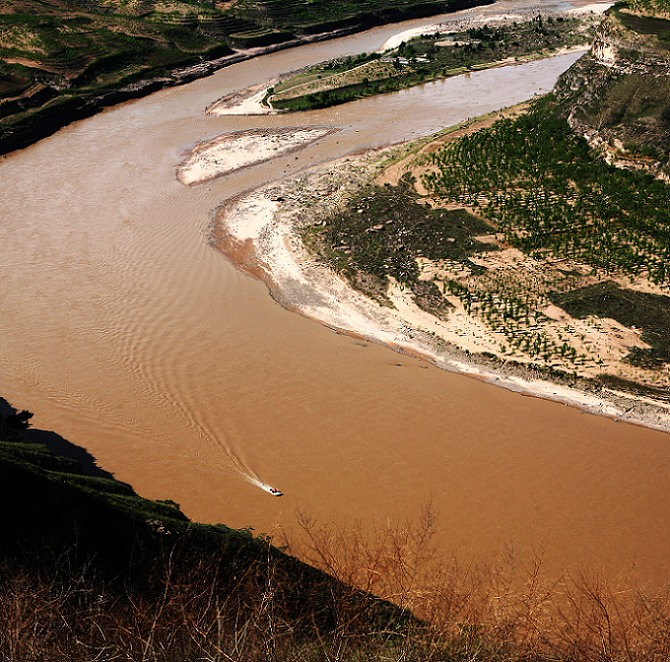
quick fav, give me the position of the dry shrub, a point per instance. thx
(508, 610)
(176, 615)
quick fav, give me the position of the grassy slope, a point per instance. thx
(313, 15)
(540, 185)
(628, 104)
(58, 57)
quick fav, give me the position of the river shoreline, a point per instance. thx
(262, 233)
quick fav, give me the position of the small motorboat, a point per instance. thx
(275, 492)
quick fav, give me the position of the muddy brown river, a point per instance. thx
(128, 334)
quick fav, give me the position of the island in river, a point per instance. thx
(435, 53)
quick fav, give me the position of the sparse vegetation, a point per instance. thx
(543, 188)
(551, 197)
(642, 310)
(516, 216)
(384, 231)
(505, 612)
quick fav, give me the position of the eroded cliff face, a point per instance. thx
(618, 95)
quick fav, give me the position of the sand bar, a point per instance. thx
(233, 151)
(243, 102)
(460, 24)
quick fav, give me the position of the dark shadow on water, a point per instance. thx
(57, 444)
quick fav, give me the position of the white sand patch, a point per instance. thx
(250, 218)
(542, 388)
(550, 390)
(243, 102)
(234, 151)
(396, 40)
(463, 21)
(460, 330)
(503, 18)
(593, 8)
(303, 283)
(555, 313)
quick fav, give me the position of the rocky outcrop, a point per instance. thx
(618, 95)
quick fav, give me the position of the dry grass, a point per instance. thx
(79, 617)
(503, 612)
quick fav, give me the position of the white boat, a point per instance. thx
(275, 492)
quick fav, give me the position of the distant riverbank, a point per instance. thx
(526, 34)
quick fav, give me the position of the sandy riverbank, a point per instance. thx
(472, 21)
(233, 151)
(263, 230)
(243, 102)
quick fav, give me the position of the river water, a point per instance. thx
(128, 334)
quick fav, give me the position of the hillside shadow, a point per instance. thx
(57, 444)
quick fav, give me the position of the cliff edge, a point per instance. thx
(618, 96)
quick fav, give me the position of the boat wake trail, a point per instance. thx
(264, 486)
(234, 461)
(249, 475)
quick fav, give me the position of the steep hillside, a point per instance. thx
(90, 570)
(618, 96)
(312, 16)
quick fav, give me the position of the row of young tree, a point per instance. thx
(544, 189)
(512, 310)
